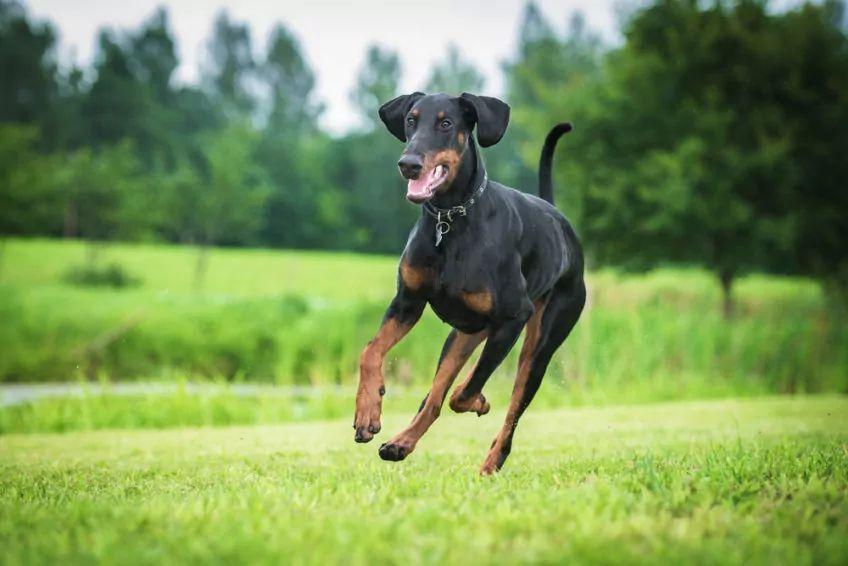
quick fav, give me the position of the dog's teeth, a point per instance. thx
(438, 170)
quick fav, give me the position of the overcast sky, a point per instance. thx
(333, 34)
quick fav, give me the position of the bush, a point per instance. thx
(109, 275)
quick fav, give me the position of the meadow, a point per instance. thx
(663, 431)
(301, 318)
(721, 482)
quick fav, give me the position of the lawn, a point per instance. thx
(754, 482)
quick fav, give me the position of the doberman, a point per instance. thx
(489, 260)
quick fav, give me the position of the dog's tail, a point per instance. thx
(546, 185)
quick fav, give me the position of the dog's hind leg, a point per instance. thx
(501, 338)
(546, 331)
(476, 403)
(455, 353)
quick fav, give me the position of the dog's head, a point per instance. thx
(437, 130)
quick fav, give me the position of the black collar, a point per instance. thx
(445, 216)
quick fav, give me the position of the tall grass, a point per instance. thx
(290, 318)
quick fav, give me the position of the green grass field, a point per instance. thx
(216, 476)
(727, 482)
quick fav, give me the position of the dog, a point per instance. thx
(488, 259)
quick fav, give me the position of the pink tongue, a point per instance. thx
(417, 188)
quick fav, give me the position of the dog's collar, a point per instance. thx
(445, 216)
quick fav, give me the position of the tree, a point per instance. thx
(233, 192)
(688, 155)
(28, 85)
(364, 164)
(104, 195)
(454, 75)
(29, 203)
(377, 82)
(549, 80)
(292, 150)
(814, 91)
(153, 56)
(230, 67)
(116, 107)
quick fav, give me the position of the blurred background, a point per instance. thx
(200, 214)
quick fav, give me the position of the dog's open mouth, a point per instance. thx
(424, 187)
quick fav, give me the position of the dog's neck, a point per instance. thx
(467, 180)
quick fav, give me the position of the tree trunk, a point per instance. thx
(70, 228)
(92, 254)
(2, 255)
(200, 266)
(726, 278)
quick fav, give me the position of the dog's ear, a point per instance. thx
(490, 114)
(393, 113)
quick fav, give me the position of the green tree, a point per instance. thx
(814, 93)
(117, 106)
(454, 75)
(105, 197)
(29, 203)
(293, 151)
(376, 82)
(28, 75)
(232, 195)
(364, 164)
(549, 79)
(230, 68)
(688, 156)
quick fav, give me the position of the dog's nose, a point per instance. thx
(410, 166)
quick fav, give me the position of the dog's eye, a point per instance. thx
(410, 121)
(445, 124)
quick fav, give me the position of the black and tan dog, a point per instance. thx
(488, 259)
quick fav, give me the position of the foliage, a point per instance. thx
(454, 76)
(29, 202)
(736, 482)
(110, 275)
(689, 146)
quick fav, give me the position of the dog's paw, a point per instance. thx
(474, 404)
(393, 452)
(366, 422)
(366, 433)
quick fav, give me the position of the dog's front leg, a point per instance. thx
(399, 319)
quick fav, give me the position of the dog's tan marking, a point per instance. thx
(441, 114)
(447, 157)
(414, 277)
(415, 113)
(525, 360)
(460, 137)
(480, 302)
(476, 404)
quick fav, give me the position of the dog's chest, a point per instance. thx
(457, 287)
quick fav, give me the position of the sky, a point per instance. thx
(333, 34)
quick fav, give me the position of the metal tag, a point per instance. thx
(442, 228)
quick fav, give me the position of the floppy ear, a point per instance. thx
(393, 113)
(491, 115)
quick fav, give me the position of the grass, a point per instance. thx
(301, 318)
(731, 482)
(235, 272)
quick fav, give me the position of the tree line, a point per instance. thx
(715, 134)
